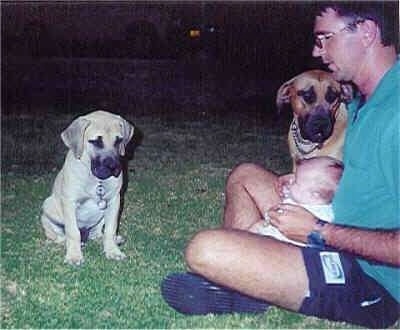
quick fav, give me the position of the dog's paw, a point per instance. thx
(115, 254)
(119, 240)
(75, 260)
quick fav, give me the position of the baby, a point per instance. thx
(312, 186)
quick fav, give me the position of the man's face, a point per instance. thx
(341, 50)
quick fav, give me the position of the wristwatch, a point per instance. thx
(315, 239)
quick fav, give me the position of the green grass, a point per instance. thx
(176, 182)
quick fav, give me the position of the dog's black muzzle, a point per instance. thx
(317, 125)
(103, 168)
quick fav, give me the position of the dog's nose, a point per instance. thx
(106, 167)
(320, 128)
(111, 163)
(316, 127)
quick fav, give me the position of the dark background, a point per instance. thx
(139, 56)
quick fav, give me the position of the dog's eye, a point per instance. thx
(331, 95)
(309, 95)
(98, 142)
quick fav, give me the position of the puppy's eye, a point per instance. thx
(308, 95)
(118, 141)
(98, 142)
(331, 95)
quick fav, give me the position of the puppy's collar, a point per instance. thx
(303, 146)
(100, 192)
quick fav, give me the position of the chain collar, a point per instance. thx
(100, 192)
(303, 146)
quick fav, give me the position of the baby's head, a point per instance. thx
(315, 180)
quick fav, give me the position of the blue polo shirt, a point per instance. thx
(368, 193)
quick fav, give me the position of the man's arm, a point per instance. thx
(296, 222)
(378, 245)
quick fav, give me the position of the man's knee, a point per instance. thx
(254, 178)
(202, 250)
(240, 173)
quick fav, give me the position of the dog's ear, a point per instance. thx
(283, 94)
(347, 92)
(127, 131)
(73, 136)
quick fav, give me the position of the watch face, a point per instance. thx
(315, 239)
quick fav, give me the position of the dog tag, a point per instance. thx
(100, 191)
(102, 204)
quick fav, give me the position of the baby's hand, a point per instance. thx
(283, 183)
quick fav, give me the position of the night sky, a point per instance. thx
(277, 28)
(266, 39)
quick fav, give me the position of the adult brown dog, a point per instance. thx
(319, 114)
(86, 192)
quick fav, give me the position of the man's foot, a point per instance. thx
(193, 294)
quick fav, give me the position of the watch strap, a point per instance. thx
(315, 239)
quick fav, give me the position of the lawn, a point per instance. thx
(176, 182)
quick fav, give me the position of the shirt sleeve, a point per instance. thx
(390, 159)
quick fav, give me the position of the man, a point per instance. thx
(351, 269)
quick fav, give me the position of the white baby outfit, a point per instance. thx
(323, 212)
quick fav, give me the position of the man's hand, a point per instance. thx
(293, 221)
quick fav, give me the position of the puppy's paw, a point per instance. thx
(119, 240)
(74, 260)
(74, 256)
(115, 254)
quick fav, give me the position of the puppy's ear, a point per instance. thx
(283, 94)
(347, 92)
(73, 136)
(127, 131)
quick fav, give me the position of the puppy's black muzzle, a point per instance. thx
(103, 168)
(317, 126)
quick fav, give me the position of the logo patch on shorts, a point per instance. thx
(332, 267)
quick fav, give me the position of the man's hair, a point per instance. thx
(384, 13)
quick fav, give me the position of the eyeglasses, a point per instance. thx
(326, 36)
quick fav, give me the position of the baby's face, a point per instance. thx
(303, 190)
(310, 183)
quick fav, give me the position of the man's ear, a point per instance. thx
(369, 30)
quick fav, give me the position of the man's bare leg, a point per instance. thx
(251, 264)
(255, 265)
(258, 266)
(249, 193)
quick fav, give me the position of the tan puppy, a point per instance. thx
(319, 114)
(86, 192)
